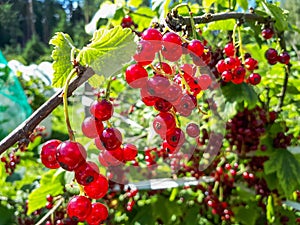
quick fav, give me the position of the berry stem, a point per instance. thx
(107, 92)
(192, 22)
(65, 101)
(233, 38)
(50, 212)
(241, 45)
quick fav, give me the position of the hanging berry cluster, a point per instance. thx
(71, 156)
(174, 86)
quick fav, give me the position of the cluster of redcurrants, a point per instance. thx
(273, 57)
(80, 208)
(107, 139)
(233, 70)
(218, 207)
(127, 22)
(245, 129)
(130, 194)
(12, 160)
(282, 140)
(71, 156)
(171, 91)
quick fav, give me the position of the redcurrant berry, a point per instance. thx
(98, 188)
(48, 154)
(102, 110)
(70, 155)
(79, 208)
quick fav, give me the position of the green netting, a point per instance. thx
(14, 108)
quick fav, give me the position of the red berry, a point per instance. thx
(175, 137)
(49, 198)
(70, 155)
(89, 128)
(154, 36)
(162, 105)
(192, 130)
(118, 154)
(250, 64)
(136, 76)
(111, 138)
(204, 81)
(127, 19)
(230, 63)
(254, 78)
(102, 110)
(196, 47)
(48, 154)
(267, 33)
(98, 188)
(171, 41)
(172, 93)
(145, 53)
(284, 58)
(271, 55)
(163, 122)
(99, 144)
(239, 75)
(157, 85)
(227, 166)
(130, 152)
(186, 105)
(226, 76)
(49, 205)
(189, 69)
(165, 67)
(98, 213)
(146, 97)
(229, 49)
(106, 159)
(169, 148)
(79, 208)
(221, 66)
(86, 173)
(172, 55)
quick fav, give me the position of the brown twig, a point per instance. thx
(175, 21)
(25, 129)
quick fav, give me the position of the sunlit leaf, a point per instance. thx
(108, 50)
(61, 55)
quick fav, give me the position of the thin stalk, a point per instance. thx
(233, 38)
(65, 101)
(241, 45)
(50, 212)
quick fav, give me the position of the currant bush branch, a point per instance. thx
(175, 21)
(23, 131)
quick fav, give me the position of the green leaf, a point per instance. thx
(50, 184)
(143, 21)
(6, 215)
(221, 25)
(62, 65)
(135, 3)
(240, 93)
(242, 214)
(108, 50)
(287, 170)
(96, 81)
(207, 4)
(243, 4)
(280, 15)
